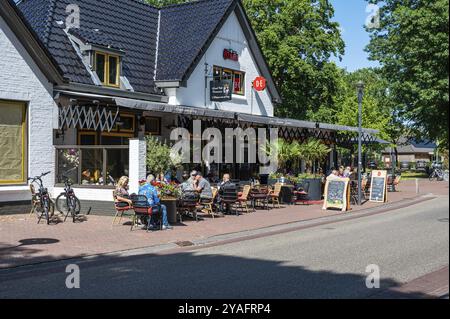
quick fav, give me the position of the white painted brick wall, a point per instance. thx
(138, 154)
(21, 80)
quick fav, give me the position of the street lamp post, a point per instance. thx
(360, 87)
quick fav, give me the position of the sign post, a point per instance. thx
(337, 193)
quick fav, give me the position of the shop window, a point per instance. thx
(12, 142)
(92, 166)
(127, 123)
(107, 67)
(153, 126)
(237, 77)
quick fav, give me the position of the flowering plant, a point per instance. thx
(72, 157)
(167, 189)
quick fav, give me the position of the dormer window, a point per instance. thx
(107, 68)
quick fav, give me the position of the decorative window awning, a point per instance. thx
(87, 117)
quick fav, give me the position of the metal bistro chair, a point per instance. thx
(301, 194)
(120, 208)
(188, 204)
(141, 208)
(230, 197)
(260, 195)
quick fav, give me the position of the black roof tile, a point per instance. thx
(132, 26)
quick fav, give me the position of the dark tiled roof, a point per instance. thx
(130, 23)
(95, 36)
(132, 26)
(184, 31)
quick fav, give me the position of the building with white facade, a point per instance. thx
(116, 71)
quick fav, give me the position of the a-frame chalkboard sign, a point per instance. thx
(378, 187)
(337, 193)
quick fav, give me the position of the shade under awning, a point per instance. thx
(174, 109)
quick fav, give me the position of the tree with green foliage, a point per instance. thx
(161, 3)
(411, 43)
(376, 107)
(298, 37)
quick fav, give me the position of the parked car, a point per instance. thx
(421, 166)
(404, 166)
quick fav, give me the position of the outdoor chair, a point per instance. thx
(301, 193)
(142, 208)
(188, 203)
(260, 195)
(244, 197)
(208, 206)
(120, 208)
(274, 195)
(396, 181)
(230, 197)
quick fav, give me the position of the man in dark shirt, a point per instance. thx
(225, 185)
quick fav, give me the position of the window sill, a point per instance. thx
(14, 188)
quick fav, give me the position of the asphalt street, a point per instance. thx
(327, 261)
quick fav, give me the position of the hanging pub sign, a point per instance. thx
(378, 187)
(229, 54)
(221, 90)
(337, 193)
(259, 84)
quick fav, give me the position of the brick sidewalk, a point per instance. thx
(23, 242)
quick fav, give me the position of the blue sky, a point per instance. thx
(351, 15)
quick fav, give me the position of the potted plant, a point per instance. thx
(160, 160)
(312, 151)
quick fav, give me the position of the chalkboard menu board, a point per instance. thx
(378, 186)
(337, 193)
(221, 91)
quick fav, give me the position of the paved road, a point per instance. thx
(320, 262)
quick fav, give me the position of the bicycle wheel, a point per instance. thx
(74, 206)
(61, 204)
(47, 211)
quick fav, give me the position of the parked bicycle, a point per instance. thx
(67, 203)
(437, 175)
(43, 201)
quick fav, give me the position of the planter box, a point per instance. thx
(171, 205)
(315, 188)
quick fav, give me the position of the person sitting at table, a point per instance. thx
(225, 184)
(121, 195)
(203, 187)
(188, 182)
(347, 172)
(161, 178)
(334, 173)
(153, 200)
(341, 171)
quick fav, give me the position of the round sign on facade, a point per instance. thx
(259, 83)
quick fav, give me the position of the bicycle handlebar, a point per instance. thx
(38, 177)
